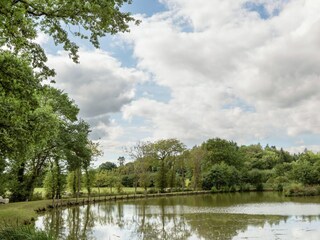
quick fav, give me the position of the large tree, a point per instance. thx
(220, 150)
(166, 153)
(21, 20)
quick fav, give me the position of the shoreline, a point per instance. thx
(25, 213)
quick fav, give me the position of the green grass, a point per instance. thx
(19, 213)
(23, 233)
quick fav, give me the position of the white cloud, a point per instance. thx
(234, 75)
(41, 38)
(99, 84)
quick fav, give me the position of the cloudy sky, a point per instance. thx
(242, 70)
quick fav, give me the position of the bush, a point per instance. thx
(233, 189)
(152, 191)
(259, 187)
(214, 190)
(37, 196)
(245, 187)
(294, 189)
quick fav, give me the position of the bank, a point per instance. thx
(24, 213)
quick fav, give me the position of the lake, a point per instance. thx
(251, 215)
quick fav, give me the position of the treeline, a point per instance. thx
(39, 132)
(217, 164)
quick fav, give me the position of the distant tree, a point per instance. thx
(255, 177)
(166, 152)
(107, 166)
(220, 150)
(221, 175)
(121, 161)
(303, 172)
(100, 180)
(197, 156)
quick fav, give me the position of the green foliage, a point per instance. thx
(303, 172)
(220, 150)
(221, 175)
(278, 183)
(23, 233)
(49, 185)
(18, 88)
(256, 179)
(106, 166)
(20, 20)
(74, 182)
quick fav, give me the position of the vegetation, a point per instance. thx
(20, 21)
(43, 143)
(23, 233)
(217, 164)
(42, 140)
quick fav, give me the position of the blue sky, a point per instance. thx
(246, 71)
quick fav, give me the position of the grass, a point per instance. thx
(20, 212)
(23, 233)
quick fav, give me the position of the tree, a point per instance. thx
(73, 183)
(220, 150)
(47, 124)
(106, 166)
(166, 152)
(100, 180)
(121, 161)
(141, 153)
(143, 166)
(18, 88)
(255, 177)
(221, 175)
(303, 172)
(50, 182)
(197, 155)
(21, 19)
(78, 151)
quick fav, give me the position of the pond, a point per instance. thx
(251, 215)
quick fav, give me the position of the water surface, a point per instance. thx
(216, 216)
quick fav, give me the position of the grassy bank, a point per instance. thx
(20, 212)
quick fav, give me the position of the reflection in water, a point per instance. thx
(219, 216)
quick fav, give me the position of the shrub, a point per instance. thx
(214, 190)
(37, 196)
(245, 187)
(152, 191)
(259, 187)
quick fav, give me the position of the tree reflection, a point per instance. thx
(162, 218)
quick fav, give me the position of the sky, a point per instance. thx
(241, 70)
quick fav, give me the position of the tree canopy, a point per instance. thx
(21, 21)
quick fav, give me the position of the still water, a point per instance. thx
(217, 216)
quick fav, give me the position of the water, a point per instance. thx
(217, 216)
